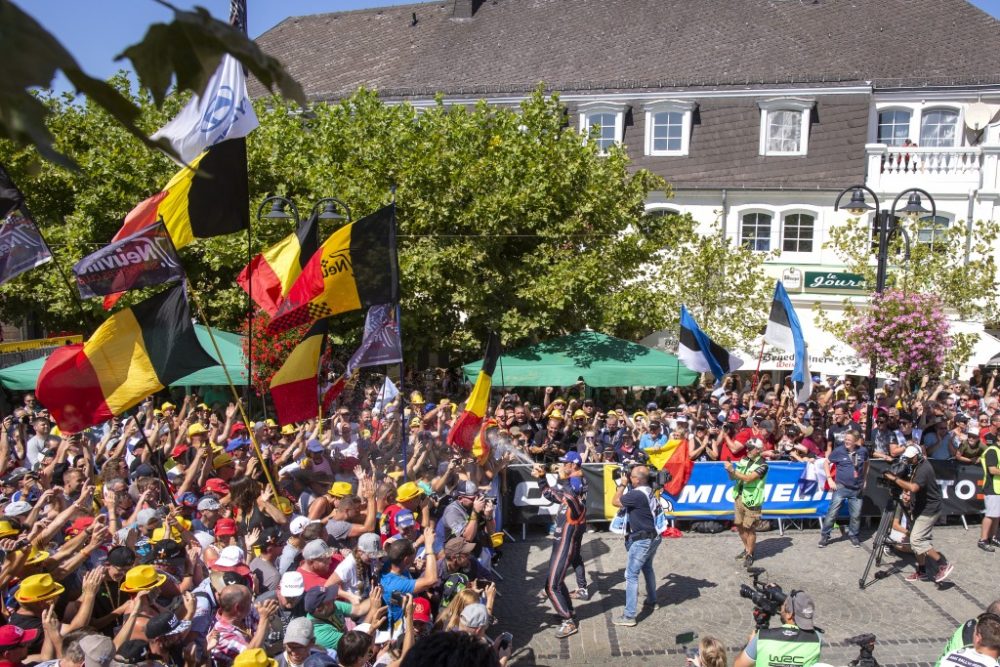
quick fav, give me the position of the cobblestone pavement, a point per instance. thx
(699, 579)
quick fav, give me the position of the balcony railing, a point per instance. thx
(946, 170)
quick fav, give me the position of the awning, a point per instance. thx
(24, 377)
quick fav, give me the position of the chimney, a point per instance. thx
(465, 9)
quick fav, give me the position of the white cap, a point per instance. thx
(292, 584)
(230, 557)
(205, 539)
(299, 524)
(17, 508)
(911, 452)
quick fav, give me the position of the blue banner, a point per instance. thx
(709, 493)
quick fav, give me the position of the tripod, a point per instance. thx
(879, 540)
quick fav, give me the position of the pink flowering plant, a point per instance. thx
(905, 332)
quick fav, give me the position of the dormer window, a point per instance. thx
(668, 127)
(604, 123)
(784, 126)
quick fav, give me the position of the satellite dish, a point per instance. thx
(978, 114)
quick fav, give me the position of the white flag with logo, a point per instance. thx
(222, 112)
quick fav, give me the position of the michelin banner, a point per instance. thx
(789, 493)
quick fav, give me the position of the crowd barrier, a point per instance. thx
(709, 493)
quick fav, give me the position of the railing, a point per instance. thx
(939, 170)
(932, 161)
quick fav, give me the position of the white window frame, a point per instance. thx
(959, 124)
(920, 225)
(592, 108)
(799, 254)
(800, 105)
(896, 107)
(683, 107)
(775, 218)
(917, 110)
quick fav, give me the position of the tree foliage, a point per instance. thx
(507, 220)
(938, 265)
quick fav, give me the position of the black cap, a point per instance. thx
(133, 652)
(961, 418)
(162, 625)
(270, 536)
(317, 596)
(165, 550)
(121, 556)
(144, 470)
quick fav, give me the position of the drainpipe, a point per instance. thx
(725, 211)
(969, 220)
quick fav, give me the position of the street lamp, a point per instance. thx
(888, 225)
(329, 212)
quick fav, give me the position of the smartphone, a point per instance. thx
(505, 640)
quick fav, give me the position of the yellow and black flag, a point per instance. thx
(465, 429)
(209, 198)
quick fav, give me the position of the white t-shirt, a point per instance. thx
(348, 574)
(347, 449)
(968, 657)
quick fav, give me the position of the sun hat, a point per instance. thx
(340, 489)
(38, 588)
(7, 529)
(221, 460)
(142, 578)
(36, 556)
(288, 429)
(254, 657)
(196, 429)
(408, 491)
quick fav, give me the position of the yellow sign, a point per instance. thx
(39, 343)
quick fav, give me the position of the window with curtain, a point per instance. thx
(939, 128)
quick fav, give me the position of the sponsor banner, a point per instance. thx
(140, 260)
(709, 493)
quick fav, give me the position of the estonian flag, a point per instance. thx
(699, 353)
(784, 331)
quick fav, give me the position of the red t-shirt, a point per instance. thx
(746, 434)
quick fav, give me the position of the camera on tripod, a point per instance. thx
(767, 598)
(901, 470)
(866, 656)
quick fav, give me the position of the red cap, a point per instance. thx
(79, 525)
(225, 527)
(238, 427)
(215, 485)
(11, 636)
(179, 449)
(421, 610)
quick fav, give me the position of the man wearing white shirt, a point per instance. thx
(985, 647)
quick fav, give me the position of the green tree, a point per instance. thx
(938, 265)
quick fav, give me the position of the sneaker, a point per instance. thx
(917, 575)
(943, 572)
(580, 594)
(741, 555)
(985, 545)
(568, 628)
(887, 550)
(748, 561)
(995, 541)
(823, 541)
(855, 542)
(624, 620)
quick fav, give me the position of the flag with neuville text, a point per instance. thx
(140, 260)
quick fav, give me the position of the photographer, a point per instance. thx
(796, 642)
(922, 496)
(749, 473)
(641, 540)
(571, 522)
(470, 515)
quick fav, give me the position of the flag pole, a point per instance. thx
(404, 431)
(236, 395)
(756, 373)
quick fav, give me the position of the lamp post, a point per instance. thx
(888, 225)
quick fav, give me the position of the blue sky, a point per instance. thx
(95, 31)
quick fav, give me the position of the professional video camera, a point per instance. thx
(866, 657)
(657, 478)
(767, 598)
(900, 469)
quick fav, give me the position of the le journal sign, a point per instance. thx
(833, 281)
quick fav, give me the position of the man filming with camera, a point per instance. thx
(749, 473)
(641, 540)
(922, 498)
(796, 642)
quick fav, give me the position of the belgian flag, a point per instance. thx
(269, 275)
(209, 198)
(136, 352)
(295, 387)
(355, 268)
(464, 432)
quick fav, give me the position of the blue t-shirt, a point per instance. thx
(647, 441)
(850, 466)
(396, 583)
(640, 516)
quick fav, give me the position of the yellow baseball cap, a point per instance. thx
(555, 414)
(579, 414)
(221, 460)
(270, 423)
(196, 429)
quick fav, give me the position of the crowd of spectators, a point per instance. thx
(159, 538)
